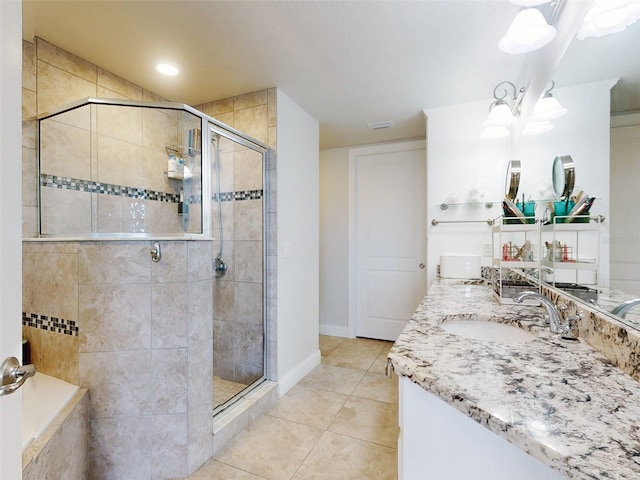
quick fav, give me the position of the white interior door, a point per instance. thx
(390, 238)
(624, 231)
(10, 228)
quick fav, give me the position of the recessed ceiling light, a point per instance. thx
(380, 125)
(167, 69)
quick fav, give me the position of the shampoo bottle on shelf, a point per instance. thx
(172, 166)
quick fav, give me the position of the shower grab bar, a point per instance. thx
(489, 221)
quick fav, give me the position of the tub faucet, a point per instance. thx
(552, 310)
(622, 309)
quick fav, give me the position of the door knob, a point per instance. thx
(13, 375)
(421, 266)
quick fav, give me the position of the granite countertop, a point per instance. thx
(562, 402)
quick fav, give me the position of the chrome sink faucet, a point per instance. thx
(552, 310)
(622, 309)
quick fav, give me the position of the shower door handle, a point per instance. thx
(14, 375)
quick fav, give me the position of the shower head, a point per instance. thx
(219, 267)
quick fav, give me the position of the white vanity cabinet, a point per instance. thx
(439, 442)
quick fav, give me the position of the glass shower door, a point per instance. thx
(239, 284)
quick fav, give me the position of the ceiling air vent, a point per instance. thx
(380, 125)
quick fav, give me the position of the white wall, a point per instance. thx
(457, 160)
(298, 242)
(10, 228)
(334, 233)
(625, 215)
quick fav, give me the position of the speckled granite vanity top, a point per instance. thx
(560, 401)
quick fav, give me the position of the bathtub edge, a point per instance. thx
(33, 454)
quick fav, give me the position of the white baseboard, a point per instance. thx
(334, 330)
(287, 381)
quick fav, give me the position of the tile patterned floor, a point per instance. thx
(223, 390)
(339, 423)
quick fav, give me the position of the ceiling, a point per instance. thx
(347, 63)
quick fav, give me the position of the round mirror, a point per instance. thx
(512, 181)
(564, 176)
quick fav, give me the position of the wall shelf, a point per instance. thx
(435, 222)
(445, 205)
(572, 238)
(513, 237)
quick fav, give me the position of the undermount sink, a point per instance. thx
(487, 331)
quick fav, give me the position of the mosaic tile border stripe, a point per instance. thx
(238, 196)
(68, 183)
(50, 324)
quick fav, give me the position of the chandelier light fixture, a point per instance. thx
(528, 31)
(506, 105)
(547, 108)
(609, 16)
(503, 110)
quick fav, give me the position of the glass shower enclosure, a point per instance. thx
(156, 170)
(117, 169)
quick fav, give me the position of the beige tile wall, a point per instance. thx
(253, 114)
(29, 142)
(143, 352)
(50, 287)
(128, 150)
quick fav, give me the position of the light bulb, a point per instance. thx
(167, 69)
(547, 108)
(528, 31)
(500, 116)
(612, 18)
(609, 16)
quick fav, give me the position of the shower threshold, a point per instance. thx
(234, 415)
(247, 395)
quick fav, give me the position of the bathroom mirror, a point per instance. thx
(512, 182)
(596, 59)
(563, 176)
